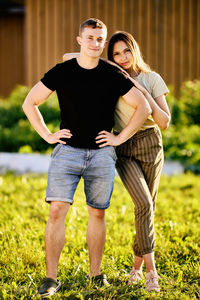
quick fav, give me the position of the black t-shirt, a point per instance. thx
(87, 98)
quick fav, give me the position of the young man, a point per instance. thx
(88, 89)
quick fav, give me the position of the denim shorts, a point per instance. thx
(69, 164)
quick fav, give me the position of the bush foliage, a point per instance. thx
(16, 134)
(181, 140)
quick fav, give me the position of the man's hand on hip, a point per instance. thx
(56, 137)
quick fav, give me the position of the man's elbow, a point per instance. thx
(24, 107)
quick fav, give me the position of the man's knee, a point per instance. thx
(97, 213)
(58, 211)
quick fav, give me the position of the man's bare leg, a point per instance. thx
(96, 234)
(55, 236)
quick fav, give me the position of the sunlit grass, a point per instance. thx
(23, 215)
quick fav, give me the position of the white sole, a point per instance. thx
(52, 292)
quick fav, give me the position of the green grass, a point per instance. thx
(23, 215)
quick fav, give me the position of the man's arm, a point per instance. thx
(142, 110)
(38, 94)
(136, 99)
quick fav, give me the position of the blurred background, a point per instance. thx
(34, 35)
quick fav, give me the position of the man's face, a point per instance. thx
(92, 41)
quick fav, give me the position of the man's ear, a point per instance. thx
(105, 44)
(78, 38)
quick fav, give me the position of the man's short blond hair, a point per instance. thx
(93, 23)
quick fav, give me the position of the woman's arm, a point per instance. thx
(161, 114)
(160, 110)
(68, 56)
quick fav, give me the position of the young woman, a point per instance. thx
(140, 159)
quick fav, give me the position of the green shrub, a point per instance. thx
(181, 140)
(182, 144)
(11, 108)
(186, 109)
(15, 129)
(190, 96)
(176, 108)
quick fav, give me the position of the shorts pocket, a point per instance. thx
(55, 150)
(114, 155)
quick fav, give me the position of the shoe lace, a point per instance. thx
(135, 274)
(153, 279)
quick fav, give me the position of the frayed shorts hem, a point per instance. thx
(97, 207)
(49, 199)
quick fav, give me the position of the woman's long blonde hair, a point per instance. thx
(138, 63)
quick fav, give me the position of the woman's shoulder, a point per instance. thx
(156, 84)
(152, 78)
(149, 75)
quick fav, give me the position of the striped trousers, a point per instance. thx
(139, 165)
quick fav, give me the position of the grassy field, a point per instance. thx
(23, 215)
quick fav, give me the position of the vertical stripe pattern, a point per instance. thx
(139, 165)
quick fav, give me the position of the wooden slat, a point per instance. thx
(176, 44)
(160, 36)
(67, 34)
(33, 44)
(165, 40)
(193, 38)
(198, 39)
(28, 50)
(11, 53)
(144, 27)
(134, 13)
(111, 19)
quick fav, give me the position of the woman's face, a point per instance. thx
(122, 55)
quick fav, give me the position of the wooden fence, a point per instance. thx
(168, 32)
(12, 60)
